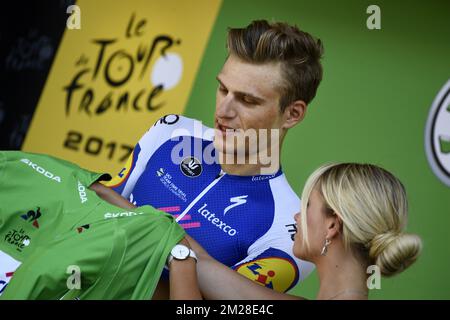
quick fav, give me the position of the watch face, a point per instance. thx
(180, 252)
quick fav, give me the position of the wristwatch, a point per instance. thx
(180, 252)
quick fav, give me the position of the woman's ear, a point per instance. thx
(334, 226)
(294, 113)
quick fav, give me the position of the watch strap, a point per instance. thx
(191, 255)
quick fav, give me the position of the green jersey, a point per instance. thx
(58, 239)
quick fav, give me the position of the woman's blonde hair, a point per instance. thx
(372, 205)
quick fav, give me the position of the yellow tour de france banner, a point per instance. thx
(130, 63)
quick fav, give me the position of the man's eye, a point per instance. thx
(248, 100)
(222, 89)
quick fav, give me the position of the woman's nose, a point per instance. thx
(297, 216)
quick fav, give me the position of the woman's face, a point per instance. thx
(317, 231)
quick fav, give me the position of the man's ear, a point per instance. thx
(294, 113)
(334, 226)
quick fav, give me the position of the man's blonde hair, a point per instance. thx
(297, 51)
(373, 207)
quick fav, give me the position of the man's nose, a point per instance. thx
(226, 108)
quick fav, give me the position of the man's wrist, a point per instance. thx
(175, 263)
(181, 252)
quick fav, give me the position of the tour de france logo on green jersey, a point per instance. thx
(18, 238)
(437, 135)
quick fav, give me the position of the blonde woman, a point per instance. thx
(354, 216)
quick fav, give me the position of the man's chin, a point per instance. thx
(218, 142)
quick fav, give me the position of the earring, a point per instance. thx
(325, 247)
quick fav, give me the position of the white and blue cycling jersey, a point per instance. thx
(245, 222)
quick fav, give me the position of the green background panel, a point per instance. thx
(372, 106)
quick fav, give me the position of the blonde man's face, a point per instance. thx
(247, 98)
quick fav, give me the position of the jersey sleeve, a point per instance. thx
(163, 130)
(274, 268)
(270, 260)
(14, 163)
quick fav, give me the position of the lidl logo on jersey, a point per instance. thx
(32, 217)
(18, 238)
(437, 135)
(275, 273)
(41, 170)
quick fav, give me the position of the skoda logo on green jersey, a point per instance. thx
(41, 170)
(437, 135)
(110, 215)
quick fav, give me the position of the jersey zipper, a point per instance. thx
(200, 195)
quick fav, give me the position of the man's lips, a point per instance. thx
(225, 129)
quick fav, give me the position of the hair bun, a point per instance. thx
(393, 252)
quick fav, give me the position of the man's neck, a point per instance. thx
(231, 165)
(245, 169)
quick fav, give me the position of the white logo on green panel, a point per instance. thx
(82, 192)
(437, 135)
(41, 170)
(110, 215)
